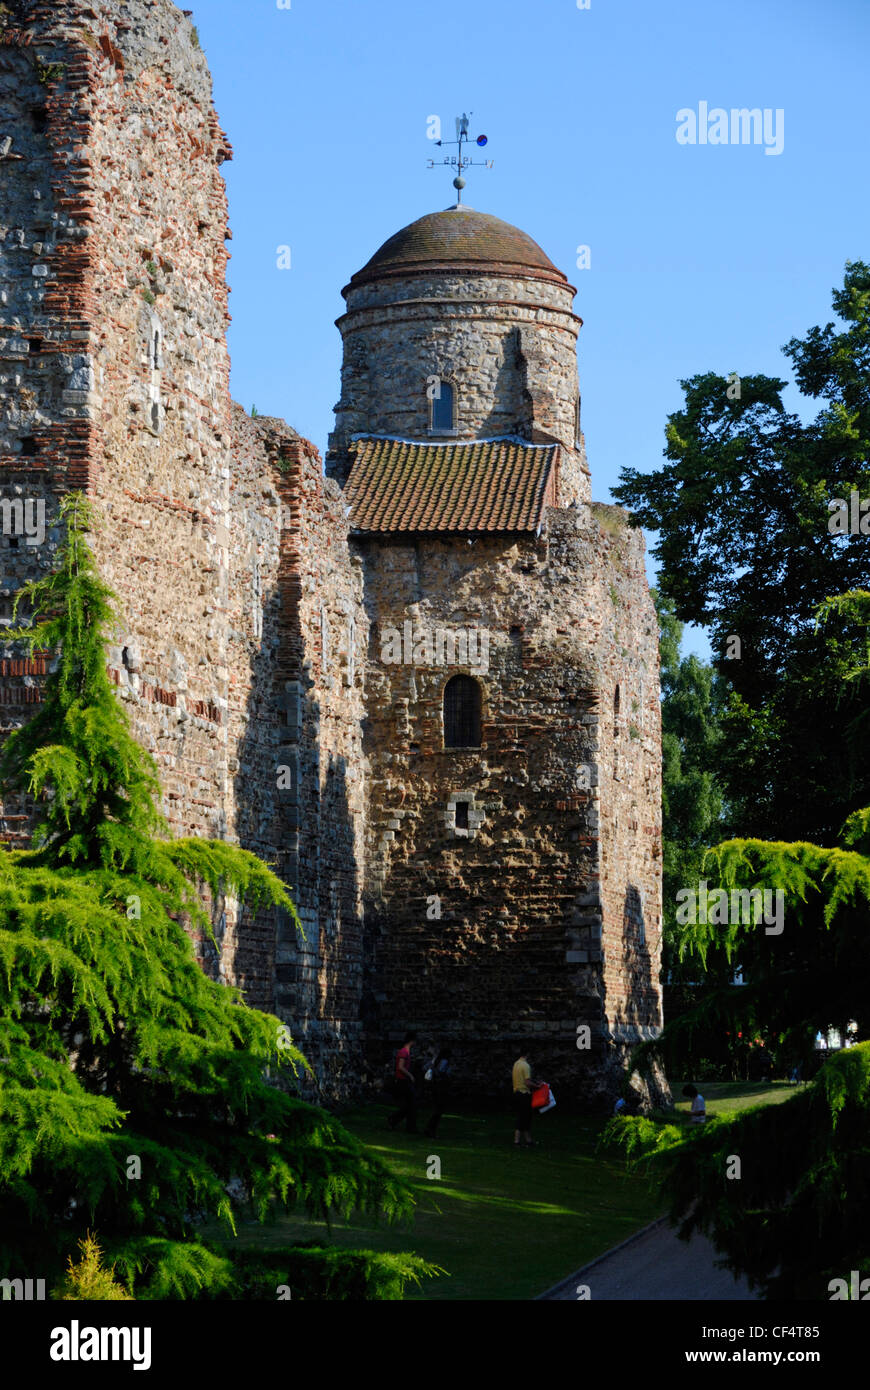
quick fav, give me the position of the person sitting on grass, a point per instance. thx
(699, 1105)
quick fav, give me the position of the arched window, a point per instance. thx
(462, 707)
(443, 413)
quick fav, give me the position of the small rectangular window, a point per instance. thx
(462, 815)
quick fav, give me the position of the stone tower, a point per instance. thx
(425, 686)
(512, 866)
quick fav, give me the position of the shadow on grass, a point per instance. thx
(504, 1223)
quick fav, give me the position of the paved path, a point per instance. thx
(654, 1265)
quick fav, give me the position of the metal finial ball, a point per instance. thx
(459, 183)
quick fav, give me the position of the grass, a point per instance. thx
(505, 1223)
(724, 1096)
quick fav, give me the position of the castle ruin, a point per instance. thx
(421, 683)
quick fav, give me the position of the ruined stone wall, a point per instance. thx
(507, 344)
(124, 389)
(46, 434)
(629, 779)
(226, 547)
(526, 948)
(298, 642)
(158, 223)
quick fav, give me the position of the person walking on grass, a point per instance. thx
(523, 1086)
(439, 1075)
(405, 1088)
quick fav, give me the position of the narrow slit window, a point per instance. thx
(462, 815)
(443, 415)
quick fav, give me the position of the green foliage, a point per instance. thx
(691, 738)
(741, 508)
(326, 1273)
(741, 511)
(89, 1279)
(115, 1045)
(795, 1218)
(815, 974)
(149, 296)
(151, 267)
(46, 73)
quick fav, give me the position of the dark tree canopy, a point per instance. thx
(138, 1098)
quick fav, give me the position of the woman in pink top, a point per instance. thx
(406, 1091)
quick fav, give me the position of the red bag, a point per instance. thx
(541, 1096)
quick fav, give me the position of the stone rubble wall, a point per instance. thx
(529, 945)
(296, 718)
(126, 393)
(219, 535)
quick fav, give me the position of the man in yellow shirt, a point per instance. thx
(523, 1086)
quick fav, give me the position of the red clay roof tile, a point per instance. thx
(478, 485)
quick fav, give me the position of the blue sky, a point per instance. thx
(704, 257)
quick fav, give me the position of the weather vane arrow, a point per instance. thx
(460, 160)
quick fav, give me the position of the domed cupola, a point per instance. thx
(460, 328)
(458, 238)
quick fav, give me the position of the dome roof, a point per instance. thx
(457, 237)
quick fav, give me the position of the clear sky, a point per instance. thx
(703, 257)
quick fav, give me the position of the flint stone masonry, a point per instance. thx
(550, 915)
(249, 658)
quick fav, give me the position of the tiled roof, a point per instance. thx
(457, 237)
(482, 485)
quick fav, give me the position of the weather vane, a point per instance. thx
(460, 161)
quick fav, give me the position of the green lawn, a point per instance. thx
(505, 1223)
(722, 1096)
